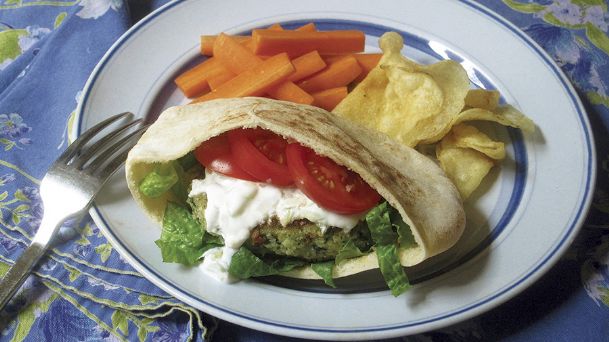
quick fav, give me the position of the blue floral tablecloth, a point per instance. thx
(85, 291)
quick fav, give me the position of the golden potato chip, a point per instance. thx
(465, 167)
(481, 98)
(505, 115)
(467, 136)
(407, 101)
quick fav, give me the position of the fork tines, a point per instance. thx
(103, 156)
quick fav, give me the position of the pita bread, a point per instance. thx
(413, 184)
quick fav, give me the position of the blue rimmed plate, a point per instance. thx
(520, 221)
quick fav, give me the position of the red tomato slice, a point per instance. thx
(215, 154)
(328, 184)
(261, 153)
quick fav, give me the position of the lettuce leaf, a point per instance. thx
(180, 188)
(182, 239)
(405, 237)
(324, 270)
(347, 251)
(188, 161)
(159, 181)
(385, 239)
(244, 264)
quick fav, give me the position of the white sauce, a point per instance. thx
(216, 262)
(235, 207)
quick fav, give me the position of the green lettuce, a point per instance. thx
(405, 237)
(175, 176)
(188, 161)
(244, 264)
(324, 270)
(347, 251)
(385, 240)
(181, 186)
(182, 239)
(159, 180)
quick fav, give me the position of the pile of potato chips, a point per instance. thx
(429, 104)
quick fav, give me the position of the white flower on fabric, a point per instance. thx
(34, 34)
(105, 285)
(597, 16)
(595, 273)
(93, 9)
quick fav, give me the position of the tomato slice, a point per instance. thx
(328, 184)
(261, 153)
(215, 154)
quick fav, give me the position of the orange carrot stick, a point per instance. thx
(216, 81)
(367, 61)
(255, 81)
(329, 98)
(194, 82)
(306, 65)
(234, 56)
(237, 58)
(207, 43)
(310, 27)
(288, 91)
(338, 74)
(296, 43)
(275, 27)
(329, 59)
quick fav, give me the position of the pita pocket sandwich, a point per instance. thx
(253, 187)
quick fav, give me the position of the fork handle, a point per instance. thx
(17, 274)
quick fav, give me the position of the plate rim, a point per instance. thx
(471, 310)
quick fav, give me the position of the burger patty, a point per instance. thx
(304, 239)
(300, 239)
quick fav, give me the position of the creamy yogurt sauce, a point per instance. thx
(235, 207)
(216, 262)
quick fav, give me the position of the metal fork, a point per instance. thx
(68, 188)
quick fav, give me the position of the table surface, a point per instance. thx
(84, 290)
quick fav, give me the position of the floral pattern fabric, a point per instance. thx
(85, 291)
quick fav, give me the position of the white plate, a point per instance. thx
(519, 223)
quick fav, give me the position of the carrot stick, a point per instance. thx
(310, 27)
(234, 56)
(329, 98)
(329, 59)
(297, 43)
(275, 27)
(255, 81)
(207, 43)
(338, 74)
(367, 61)
(216, 81)
(288, 91)
(306, 65)
(237, 58)
(194, 82)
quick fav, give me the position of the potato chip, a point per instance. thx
(505, 115)
(426, 104)
(465, 167)
(407, 101)
(482, 98)
(467, 136)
